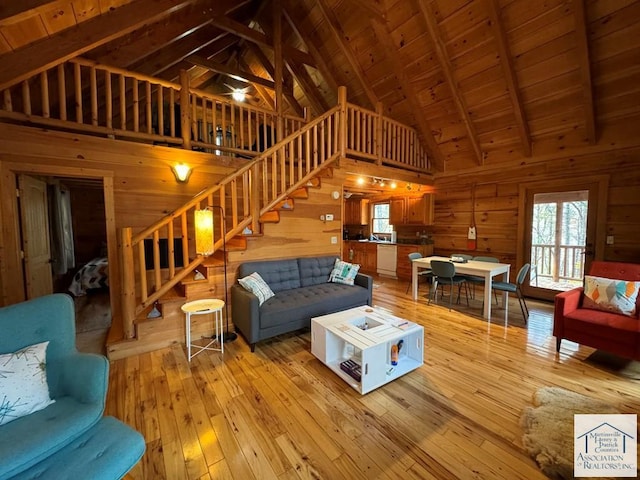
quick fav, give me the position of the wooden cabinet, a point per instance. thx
(356, 212)
(403, 269)
(411, 210)
(362, 253)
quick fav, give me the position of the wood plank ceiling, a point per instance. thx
(483, 81)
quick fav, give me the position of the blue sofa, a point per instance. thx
(70, 437)
(302, 291)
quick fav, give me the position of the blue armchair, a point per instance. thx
(78, 384)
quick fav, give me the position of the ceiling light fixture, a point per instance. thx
(238, 95)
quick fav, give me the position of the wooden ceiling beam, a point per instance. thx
(288, 85)
(582, 39)
(235, 73)
(145, 43)
(447, 69)
(510, 76)
(46, 53)
(212, 50)
(384, 37)
(178, 51)
(373, 8)
(322, 66)
(263, 92)
(251, 35)
(306, 83)
(12, 12)
(338, 34)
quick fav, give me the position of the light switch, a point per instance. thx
(334, 240)
(609, 239)
(329, 217)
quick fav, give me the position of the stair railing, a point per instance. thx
(244, 195)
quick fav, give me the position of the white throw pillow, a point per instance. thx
(23, 382)
(344, 272)
(256, 285)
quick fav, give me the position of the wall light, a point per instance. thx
(203, 220)
(182, 172)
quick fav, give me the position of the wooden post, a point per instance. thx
(128, 293)
(342, 103)
(379, 132)
(255, 197)
(278, 67)
(185, 110)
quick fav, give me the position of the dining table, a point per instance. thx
(486, 270)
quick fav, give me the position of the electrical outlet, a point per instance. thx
(329, 217)
(609, 239)
(334, 240)
(322, 217)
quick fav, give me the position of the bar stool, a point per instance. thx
(204, 307)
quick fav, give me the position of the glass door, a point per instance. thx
(560, 236)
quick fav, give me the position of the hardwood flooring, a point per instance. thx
(280, 413)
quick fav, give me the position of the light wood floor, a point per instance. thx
(280, 413)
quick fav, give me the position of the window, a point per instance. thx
(380, 220)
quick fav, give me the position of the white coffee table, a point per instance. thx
(341, 337)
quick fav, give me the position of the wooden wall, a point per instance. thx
(497, 200)
(138, 183)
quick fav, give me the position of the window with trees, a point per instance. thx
(380, 220)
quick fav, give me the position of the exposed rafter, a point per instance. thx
(510, 76)
(334, 26)
(384, 37)
(223, 42)
(251, 35)
(266, 95)
(582, 39)
(72, 42)
(447, 69)
(235, 73)
(373, 8)
(322, 66)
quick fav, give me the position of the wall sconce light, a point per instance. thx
(182, 172)
(203, 220)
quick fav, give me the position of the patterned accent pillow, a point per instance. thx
(256, 285)
(343, 272)
(618, 296)
(23, 382)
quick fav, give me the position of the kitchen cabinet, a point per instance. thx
(362, 253)
(403, 267)
(411, 210)
(356, 212)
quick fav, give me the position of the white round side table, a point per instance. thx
(203, 307)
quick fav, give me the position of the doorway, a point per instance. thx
(563, 231)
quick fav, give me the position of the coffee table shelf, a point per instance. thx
(365, 335)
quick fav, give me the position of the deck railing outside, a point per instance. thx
(558, 262)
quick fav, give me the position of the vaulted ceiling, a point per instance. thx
(483, 81)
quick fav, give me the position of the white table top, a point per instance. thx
(473, 267)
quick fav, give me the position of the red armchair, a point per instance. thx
(611, 332)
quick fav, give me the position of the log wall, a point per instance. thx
(497, 201)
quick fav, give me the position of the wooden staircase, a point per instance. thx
(169, 327)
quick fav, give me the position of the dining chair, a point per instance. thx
(426, 273)
(444, 272)
(515, 288)
(475, 280)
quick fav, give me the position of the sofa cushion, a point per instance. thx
(312, 301)
(618, 296)
(598, 323)
(29, 440)
(256, 285)
(280, 275)
(315, 270)
(23, 382)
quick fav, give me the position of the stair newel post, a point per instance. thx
(185, 110)
(128, 295)
(255, 197)
(342, 103)
(379, 132)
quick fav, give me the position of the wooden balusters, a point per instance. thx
(44, 89)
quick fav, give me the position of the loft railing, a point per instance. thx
(86, 96)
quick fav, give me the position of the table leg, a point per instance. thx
(414, 280)
(187, 328)
(487, 296)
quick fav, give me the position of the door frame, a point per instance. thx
(599, 182)
(10, 241)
